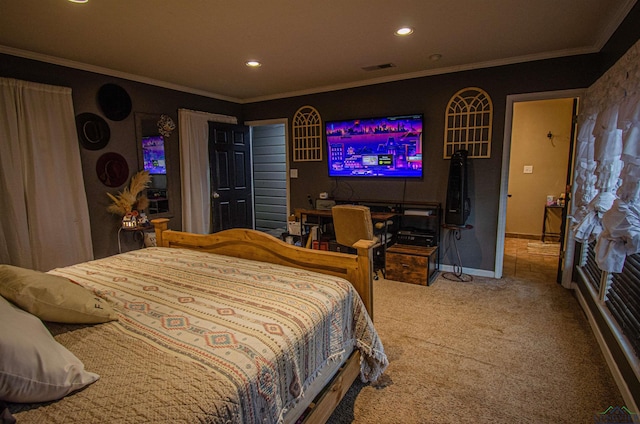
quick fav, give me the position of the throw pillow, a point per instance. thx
(34, 367)
(53, 298)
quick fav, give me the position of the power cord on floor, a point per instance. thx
(454, 235)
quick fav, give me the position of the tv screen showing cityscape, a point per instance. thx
(375, 147)
(153, 154)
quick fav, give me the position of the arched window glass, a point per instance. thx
(468, 123)
(307, 135)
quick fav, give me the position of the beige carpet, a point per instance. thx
(485, 351)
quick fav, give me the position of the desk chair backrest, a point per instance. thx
(352, 223)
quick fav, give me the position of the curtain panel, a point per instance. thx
(607, 170)
(194, 168)
(44, 216)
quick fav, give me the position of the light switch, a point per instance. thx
(293, 173)
(528, 169)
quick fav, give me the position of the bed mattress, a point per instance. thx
(207, 338)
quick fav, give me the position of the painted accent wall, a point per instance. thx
(429, 96)
(426, 95)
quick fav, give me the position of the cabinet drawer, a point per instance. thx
(407, 268)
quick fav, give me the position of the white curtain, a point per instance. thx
(607, 196)
(194, 168)
(44, 217)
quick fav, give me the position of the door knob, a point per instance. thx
(215, 195)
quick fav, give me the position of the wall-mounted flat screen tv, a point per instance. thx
(375, 147)
(153, 154)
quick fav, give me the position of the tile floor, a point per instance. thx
(523, 261)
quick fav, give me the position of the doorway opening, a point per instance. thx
(536, 170)
(270, 170)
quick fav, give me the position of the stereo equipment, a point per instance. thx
(457, 207)
(416, 238)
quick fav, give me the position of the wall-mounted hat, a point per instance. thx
(112, 169)
(114, 102)
(93, 131)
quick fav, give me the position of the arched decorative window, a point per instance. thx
(468, 123)
(307, 135)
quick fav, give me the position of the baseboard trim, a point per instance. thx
(524, 236)
(611, 362)
(470, 271)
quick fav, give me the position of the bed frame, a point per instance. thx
(256, 245)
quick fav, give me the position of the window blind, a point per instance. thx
(590, 267)
(623, 300)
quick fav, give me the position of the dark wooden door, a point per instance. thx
(230, 167)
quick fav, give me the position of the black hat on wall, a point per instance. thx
(93, 131)
(114, 102)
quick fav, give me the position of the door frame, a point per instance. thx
(504, 179)
(264, 122)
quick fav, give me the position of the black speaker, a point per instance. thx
(457, 206)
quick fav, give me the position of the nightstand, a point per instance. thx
(135, 231)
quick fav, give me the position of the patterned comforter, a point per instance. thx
(262, 330)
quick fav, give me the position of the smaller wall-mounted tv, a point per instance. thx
(375, 147)
(153, 154)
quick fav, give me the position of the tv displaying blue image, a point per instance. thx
(375, 147)
(153, 154)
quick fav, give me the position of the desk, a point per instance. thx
(325, 215)
(547, 209)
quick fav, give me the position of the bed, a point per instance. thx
(236, 326)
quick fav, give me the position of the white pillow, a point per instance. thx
(34, 367)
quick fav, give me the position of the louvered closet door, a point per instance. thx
(230, 166)
(269, 177)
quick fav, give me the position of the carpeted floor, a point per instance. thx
(514, 350)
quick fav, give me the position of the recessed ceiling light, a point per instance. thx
(435, 57)
(404, 31)
(79, 1)
(253, 64)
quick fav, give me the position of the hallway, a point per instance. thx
(530, 259)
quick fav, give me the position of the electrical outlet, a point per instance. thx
(528, 169)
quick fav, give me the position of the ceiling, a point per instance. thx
(201, 46)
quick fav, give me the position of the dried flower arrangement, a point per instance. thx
(131, 199)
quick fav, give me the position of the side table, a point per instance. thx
(547, 215)
(411, 264)
(136, 231)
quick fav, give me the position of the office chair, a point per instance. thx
(352, 223)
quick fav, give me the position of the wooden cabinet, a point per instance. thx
(411, 264)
